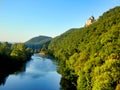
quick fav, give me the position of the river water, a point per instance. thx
(40, 74)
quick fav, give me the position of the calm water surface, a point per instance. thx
(40, 74)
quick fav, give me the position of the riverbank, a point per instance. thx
(39, 74)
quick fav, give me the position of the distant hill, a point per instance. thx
(89, 57)
(38, 42)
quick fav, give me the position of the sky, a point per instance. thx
(21, 20)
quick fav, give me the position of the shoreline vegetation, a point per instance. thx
(43, 53)
(46, 55)
(88, 57)
(14, 54)
(13, 58)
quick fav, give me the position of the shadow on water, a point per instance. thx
(37, 74)
(34, 71)
(66, 84)
(39, 67)
(8, 67)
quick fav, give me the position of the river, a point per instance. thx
(39, 74)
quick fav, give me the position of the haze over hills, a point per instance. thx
(88, 57)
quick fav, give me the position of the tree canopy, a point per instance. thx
(14, 52)
(90, 56)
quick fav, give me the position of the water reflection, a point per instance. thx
(39, 74)
(6, 70)
(36, 70)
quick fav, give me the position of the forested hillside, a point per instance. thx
(37, 43)
(90, 56)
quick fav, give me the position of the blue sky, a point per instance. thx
(21, 20)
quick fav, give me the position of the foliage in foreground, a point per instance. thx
(14, 53)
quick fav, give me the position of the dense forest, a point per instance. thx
(13, 58)
(18, 51)
(37, 43)
(89, 57)
(12, 55)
